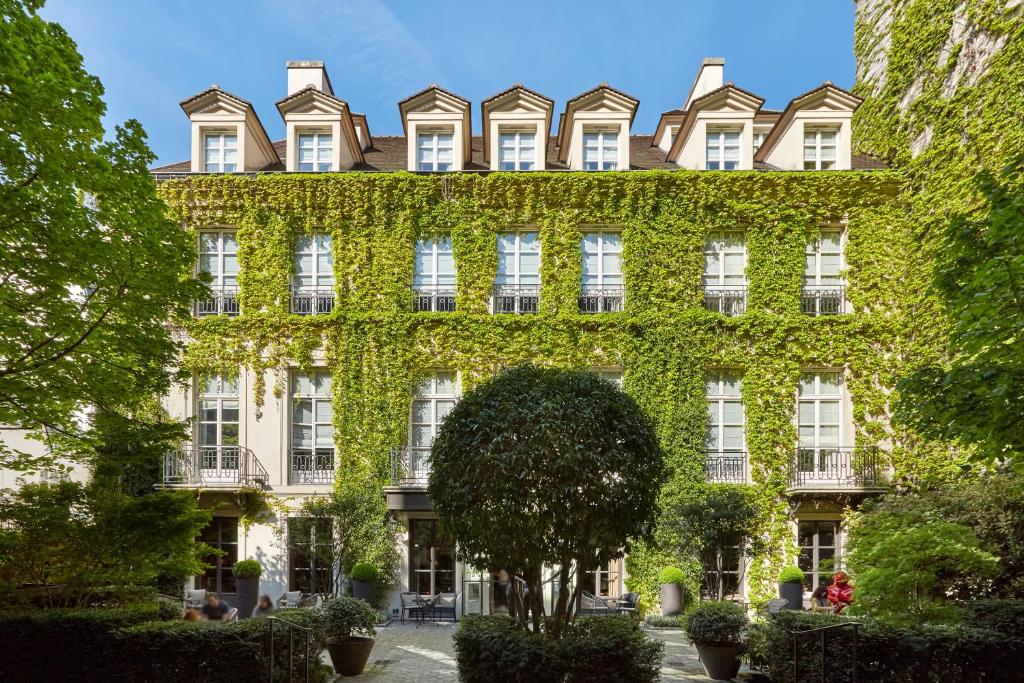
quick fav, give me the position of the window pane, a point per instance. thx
(831, 383)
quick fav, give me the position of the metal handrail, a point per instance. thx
(292, 627)
(311, 300)
(823, 632)
(516, 299)
(213, 465)
(223, 301)
(433, 299)
(311, 466)
(602, 299)
(839, 466)
(823, 300)
(409, 467)
(726, 467)
(727, 300)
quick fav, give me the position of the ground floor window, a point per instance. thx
(431, 559)
(222, 534)
(819, 551)
(310, 562)
(723, 573)
(604, 581)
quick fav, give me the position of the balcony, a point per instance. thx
(729, 301)
(224, 466)
(606, 300)
(837, 469)
(515, 300)
(823, 300)
(223, 301)
(433, 300)
(726, 467)
(410, 467)
(311, 301)
(311, 466)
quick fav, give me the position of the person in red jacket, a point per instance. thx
(840, 593)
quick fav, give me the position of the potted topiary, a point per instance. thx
(347, 624)
(716, 628)
(247, 586)
(364, 581)
(791, 587)
(672, 580)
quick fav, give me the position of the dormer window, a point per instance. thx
(723, 150)
(600, 150)
(434, 151)
(315, 151)
(516, 150)
(220, 152)
(759, 137)
(819, 150)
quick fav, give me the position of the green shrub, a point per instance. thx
(672, 575)
(791, 575)
(345, 617)
(611, 648)
(364, 571)
(247, 569)
(1006, 616)
(661, 621)
(490, 649)
(716, 623)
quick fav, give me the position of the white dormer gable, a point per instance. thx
(603, 112)
(526, 116)
(227, 135)
(818, 120)
(443, 116)
(314, 115)
(725, 111)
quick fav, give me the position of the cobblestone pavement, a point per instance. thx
(405, 653)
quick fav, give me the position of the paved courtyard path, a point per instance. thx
(404, 653)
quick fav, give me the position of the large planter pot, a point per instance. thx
(793, 593)
(247, 593)
(671, 599)
(365, 590)
(349, 655)
(721, 662)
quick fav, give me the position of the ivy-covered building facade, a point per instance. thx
(739, 273)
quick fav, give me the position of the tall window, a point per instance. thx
(517, 283)
(725, 413)
(220, 152)
(435, 397)
(218, 411)
(723, 150)
(600, 150)
(434, 152)
(602, 260)
(820, 414)
(725, 258)
(819, 551)
(431, 559)
(310, 557)
(435, 265)
(218, 256)
(824, 260)
(723, 572)
(312, 427)
(314, 275)
(222, 534)
(314, 152)
(516, 151)
(819, 150)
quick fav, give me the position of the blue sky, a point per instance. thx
(151, 54)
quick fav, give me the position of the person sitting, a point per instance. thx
(819, 599)
(216, 609)
(191, 614)
(264, 608)
(840, 593)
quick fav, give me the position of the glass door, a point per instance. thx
(431, 559)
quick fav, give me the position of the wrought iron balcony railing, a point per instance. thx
(311, 466)
(726, 467)
(436, 300)
(834, 467)
(729, 301)
(223, 301)
(311, 301)
(604, 300)
(823, 300)
(410, 467)
(515, 299)
(224, 466)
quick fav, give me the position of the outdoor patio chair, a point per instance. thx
(290, 599)
(411, 605)
(592, 606)
(444, 606)
(630, 603)
(194, 599)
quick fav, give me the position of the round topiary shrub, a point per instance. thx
(716, 623)
(247, 569)
(364, 571)
(791, 575)
(672, 575)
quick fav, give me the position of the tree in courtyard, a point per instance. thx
(544, 469)
(91, 270)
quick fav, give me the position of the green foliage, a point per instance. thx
(672, 575)
(716, 623)
(611, 648)
(344, 617)
(247, 569)
(791, 575)
(528, 460)
(78, 539)
(661, 621)
(364, 571)
(93, 268)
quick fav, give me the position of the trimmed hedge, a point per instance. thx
(924, 653)
(596, 649)
(661, 621)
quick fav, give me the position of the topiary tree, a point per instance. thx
(539, 468)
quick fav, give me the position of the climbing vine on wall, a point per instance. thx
(378, 349)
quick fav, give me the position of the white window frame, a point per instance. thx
(428, 393)
(224, 392)
(434, 246)
(221, 165)
(816, 145)
(758, 140)
(606, 145)
(515, 278)
(813, 248)
(719, 144)
(717, 398)
(220, 254)
(601, 252)
(519, 145)
(434, 147)
(320, 244)
(318, 458)
(816, 399)
(615, 375)
(717, 245)
(319, 148)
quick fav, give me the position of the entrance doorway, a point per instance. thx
(431, 559)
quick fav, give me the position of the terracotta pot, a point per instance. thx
(349, 655)
(721, 662)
